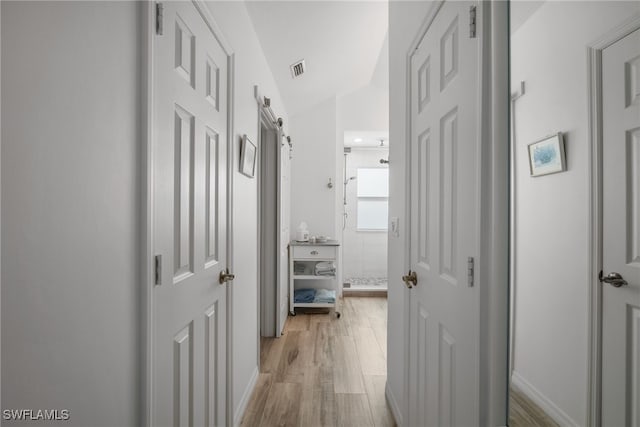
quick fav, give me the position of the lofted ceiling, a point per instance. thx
(340, 41)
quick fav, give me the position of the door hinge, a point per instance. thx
(470, 271)
(157, 271)
(472, 22)
(159, 18)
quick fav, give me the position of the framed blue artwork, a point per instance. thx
(547, 155)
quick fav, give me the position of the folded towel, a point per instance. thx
(326, 296)
(304, 295)
(326, 273)
(299, 269)
(325, 265)
(325, 268)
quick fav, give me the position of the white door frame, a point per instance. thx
(594, 81)
(147, 272)
(265, 121)
(493, 198)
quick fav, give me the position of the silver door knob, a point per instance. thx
(411, 279)
(614, 279)
(225, 277)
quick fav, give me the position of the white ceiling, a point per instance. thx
(340, 41)
(354, 138)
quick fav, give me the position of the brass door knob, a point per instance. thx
(225, 277)
(411, 279)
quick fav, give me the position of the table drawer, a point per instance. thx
(312, 252)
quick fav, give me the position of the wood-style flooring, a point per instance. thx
(325, 371)
(524, 413)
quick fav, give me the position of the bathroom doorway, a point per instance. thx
(365, 206)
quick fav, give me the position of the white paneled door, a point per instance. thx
(621, 233)
(445, 136)
(190, 221)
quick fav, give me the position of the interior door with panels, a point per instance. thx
(190, 225)
(444, 307)
(621, 232)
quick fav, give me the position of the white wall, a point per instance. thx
(70, 209)
(251, 69)
(405, 18)
(548, 52)
(364, 253)
(314, 162)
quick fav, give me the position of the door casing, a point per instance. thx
(492, 269)
(594, 309)
(147, 272)
(269, 135)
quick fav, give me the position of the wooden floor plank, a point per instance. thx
(297, 323)
(353, 410)
(270, 353)
(322, 348)
(525, 413)
(372, 360)
(313, 374)
(282, 407)
(347, 370)
(375, 385)
(255, 409)
(317, 404)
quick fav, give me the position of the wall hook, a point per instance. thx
(330, 184)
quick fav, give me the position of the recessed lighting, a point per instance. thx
(357, 140)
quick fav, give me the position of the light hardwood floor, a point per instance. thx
(325, 371)
(331, 372)
(524, 413)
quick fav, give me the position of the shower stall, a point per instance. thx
(365, 189)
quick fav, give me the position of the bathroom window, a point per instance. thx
(373, 199)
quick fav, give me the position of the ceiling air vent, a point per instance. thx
(297, 68)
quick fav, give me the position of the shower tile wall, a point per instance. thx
(364, 252)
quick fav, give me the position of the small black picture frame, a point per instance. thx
(248, 151)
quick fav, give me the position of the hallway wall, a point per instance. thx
(70, 209)
(552, 251)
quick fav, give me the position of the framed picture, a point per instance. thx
(547, 155)
(247, 157)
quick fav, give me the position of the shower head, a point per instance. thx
(346, 181)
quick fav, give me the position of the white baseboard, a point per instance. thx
(393, 404)
(550, 408)
(246, 396)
